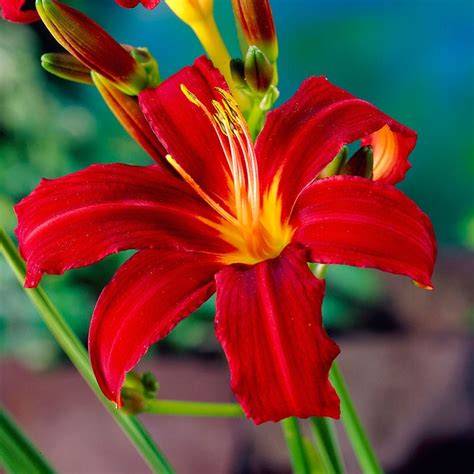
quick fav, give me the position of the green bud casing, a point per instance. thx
(67, 67)
(258, 70)
(361, 163)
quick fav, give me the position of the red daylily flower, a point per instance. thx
(13, 10)
(236, 218)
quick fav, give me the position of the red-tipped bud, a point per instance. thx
(67, 67)
(258, 70)
(255, 22)
(13, 10)
(93, 46)
(128, 113)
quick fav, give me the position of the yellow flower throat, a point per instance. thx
(253, 223)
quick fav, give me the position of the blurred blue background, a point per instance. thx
(413, 59)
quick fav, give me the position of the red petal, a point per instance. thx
(150, 4)
(184, 129)
(11, 10)
(354, 221)
(269, 324)
(303, 135)
(81, 218)
(145, 300)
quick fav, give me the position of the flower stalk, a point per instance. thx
(296, 449)
(78, 356)
(355, 431)
(329, 451)
(188, 408)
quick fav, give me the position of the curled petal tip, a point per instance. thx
(421, 285)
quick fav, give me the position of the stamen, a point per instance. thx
(256, 228)
(187, 177)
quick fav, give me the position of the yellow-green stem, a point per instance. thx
(186, 408)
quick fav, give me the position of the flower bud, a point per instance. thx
(93, 46)
(136, 390)
(237, 71)
(128, 113)
(191, 11)
(336, 164)
(255, 22)
(67, 67)
(149, 63)
(258, 70)
(361, 163)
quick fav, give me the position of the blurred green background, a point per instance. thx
(413, 59)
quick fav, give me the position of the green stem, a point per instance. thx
(328, 446)
(76, 352)
(18, 454)
(294, 442)
(255, 119)
(184, 408)
(354, 429)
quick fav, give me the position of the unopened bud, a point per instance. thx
(67, 67)
(149, 63)
(237, 71)
(336, 164)
(191, 11)
(255, 22)
(93, 46)
(258, 70)
(128, 113)
(361, 163)
(137, 390)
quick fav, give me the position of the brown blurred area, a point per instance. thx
(414, 388)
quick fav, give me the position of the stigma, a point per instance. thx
(249, 220)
